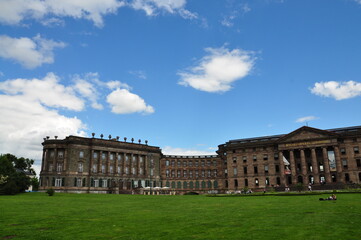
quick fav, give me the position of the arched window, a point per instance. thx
(179, 185)
(334, 178)
(203, 184)
(246, 182)
(167, 184)
(215, 184)
(235, 183)
(191, 185)
(267, 181)
(311, 179)
(256, 182)
(185, 185)
(197, 185)
(347, 177)
(226, 183)
(209, 184)
(173, 184)
(278, 181)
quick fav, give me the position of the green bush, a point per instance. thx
(50, 192)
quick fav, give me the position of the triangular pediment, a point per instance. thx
(306, 134)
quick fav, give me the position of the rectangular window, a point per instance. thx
(111, 156)
(134, 159)
(234, 171)
(178, 173)
(276, 156)
(202, 163)
(141, 159)
(52, 153)
(173, 163)
(185, 173)
(167, 163)
(197, 174)
(266, 168)
(141, 171)
(184, 163)
(215, 163)
(81, 154)
(126, 158)
(344, 163)
(79, 182)
(191, 174)
(173, 173)
(178, 163)
(197, 163)
(151, 172)
(356, 150)
(255, 170)
(103, 156)
(96, 183)
(208, 163)
(245, 170)
(95, 155)
(58, 182)
(215, 172)
(208, 173)
(265, 157)
(203, 173)
(105, 183)
(119, 170)
(254, 157)
(80, 167)
(111, 169)
(358, 162)
(234, 159)
(50, 167)
(277, 168)
(167, 173)
(94, 168)
(119, 157)
(60, 154)
(59, 167)
(343, 151)
(133, 170)
(244, 159)
(190, 163)
(103, 168)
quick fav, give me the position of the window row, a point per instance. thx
(192, 185)
(191, 163)
(254, 158)
(191, 173)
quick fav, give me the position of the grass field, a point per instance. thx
(92, 216)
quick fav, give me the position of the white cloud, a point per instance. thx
(167, 150)
(47, 91)
(337, 90)
(139, 74)
(124, 102)
(306, 119)
(15, 11)
(30, 53)
(153, 7)
(29, 112)
(218, 70)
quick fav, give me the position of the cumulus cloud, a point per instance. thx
(337, 90)
(30, 111)
(167, 150)
(30, 53)
(124, 102)
(153, 7)
(306, 119)
(13, 12)
(216, 71)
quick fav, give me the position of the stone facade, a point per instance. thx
(325, 159)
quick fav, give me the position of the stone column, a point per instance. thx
(282, 168)
(55, 158)
(338, 164)
(107, 169)
(91, 160)
(65, 159)
(116, 163)
(100, 162)
(304, 166)
(293, 167)
(315, 171)
(326, 165)
(43, 162)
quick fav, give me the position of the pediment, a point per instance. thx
(306, 134)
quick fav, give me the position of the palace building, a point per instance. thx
(326, 159)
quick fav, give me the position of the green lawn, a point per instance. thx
(92, 216)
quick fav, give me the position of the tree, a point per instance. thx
(14, 174)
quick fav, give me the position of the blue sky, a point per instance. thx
(187, 75)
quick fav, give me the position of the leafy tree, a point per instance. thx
(14, 174)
